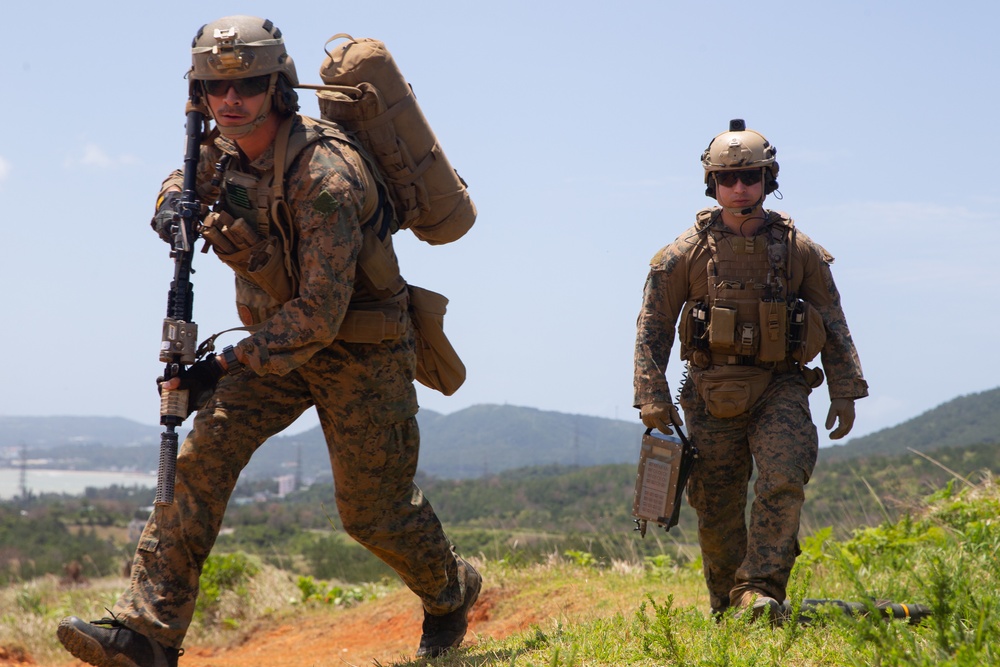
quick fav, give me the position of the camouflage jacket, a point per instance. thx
(325, 192)
(679, 274)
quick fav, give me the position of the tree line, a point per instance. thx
(519, 515)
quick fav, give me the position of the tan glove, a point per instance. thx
(660, 416)
(842, 410)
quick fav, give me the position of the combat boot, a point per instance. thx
(446, 631)
(759, 605)
(114, 645)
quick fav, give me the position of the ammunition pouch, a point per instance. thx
(729, 391)
(773, 319)
(713, 336)
(260, 261)
(438, 365)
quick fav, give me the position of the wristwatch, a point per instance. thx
(233, 364)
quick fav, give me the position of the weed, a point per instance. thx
(581, 558)
(335, 595)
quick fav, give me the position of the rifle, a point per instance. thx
(180, 333)
(914, 613)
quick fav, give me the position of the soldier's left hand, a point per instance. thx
(660, 415)
(163, 222)
(842, 413)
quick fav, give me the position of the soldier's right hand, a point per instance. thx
(163, 221)
(660, 415)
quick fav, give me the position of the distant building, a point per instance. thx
(286, 484)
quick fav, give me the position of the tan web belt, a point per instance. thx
(369, 326)
(734, 360)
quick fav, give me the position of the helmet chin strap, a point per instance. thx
(237, 131)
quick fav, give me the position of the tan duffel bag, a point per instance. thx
(368, 95)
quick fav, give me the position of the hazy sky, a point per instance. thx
(579, 129)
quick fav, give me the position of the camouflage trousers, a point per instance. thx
(366, 403)
(777, 434)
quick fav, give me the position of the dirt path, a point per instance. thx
(381, 632)
(386, 631)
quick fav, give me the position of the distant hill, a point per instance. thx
(482, 439)
(474, 442)
(42, 432)
(971, 419)
(487, 439)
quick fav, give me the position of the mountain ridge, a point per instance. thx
(472, 442)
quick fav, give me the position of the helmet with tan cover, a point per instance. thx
(245, 47)
(239, 47)
(737, 150)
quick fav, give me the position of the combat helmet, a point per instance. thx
(740, 149)
(242, 47)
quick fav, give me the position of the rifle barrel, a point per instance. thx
(915, 613)
(167, 471)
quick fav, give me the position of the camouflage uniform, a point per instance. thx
(776, 432)
(363, 394)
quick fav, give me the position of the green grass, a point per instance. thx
(646, 611)
(947, 559)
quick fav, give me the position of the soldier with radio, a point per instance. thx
(753, 302)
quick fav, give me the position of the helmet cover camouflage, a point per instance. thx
(740, 149)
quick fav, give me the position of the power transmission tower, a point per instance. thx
(298, 467)
(24, 472)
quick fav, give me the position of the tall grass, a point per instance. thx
(945, 558)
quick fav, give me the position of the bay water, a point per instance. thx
(74, 482)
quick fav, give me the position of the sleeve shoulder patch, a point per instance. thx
(325, 203)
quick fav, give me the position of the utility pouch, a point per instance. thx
(722, 329)
(808, 332)
(812, 376)
(438, 365)
(729, 391)
(263, 264)
(267, 268)
(773, 318)
(378, 263)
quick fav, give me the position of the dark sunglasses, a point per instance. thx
(254, 85)
(746, 176)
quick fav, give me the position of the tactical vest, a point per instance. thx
(252, 232)
(745, 319)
